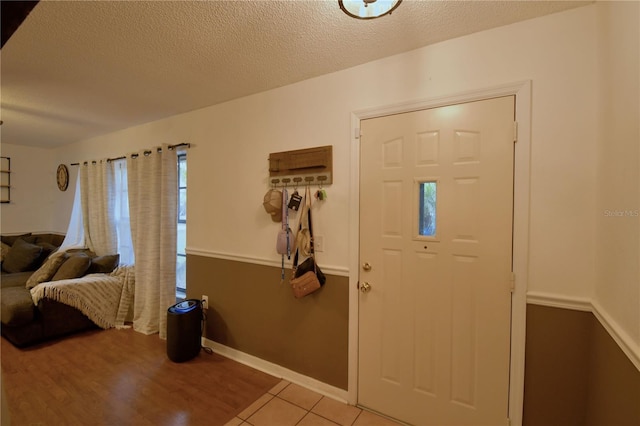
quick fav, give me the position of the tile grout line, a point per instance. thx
(272, 395)
(257, 409)
(319, 415)
(357, 417)
(307, 411)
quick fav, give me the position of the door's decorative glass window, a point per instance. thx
(427, 209)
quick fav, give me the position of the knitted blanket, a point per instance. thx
(104, 298)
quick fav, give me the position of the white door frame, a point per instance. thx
(521, 177)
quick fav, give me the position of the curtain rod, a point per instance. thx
(147, 152)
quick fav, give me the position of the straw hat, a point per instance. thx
(273, 204)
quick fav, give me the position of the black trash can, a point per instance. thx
(184, 330)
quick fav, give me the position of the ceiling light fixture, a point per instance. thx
(368, 9)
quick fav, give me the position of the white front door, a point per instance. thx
(436, 209)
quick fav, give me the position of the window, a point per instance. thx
(181, 261)
(122, 221)
(75, 237)
(427, 209)
(75, 233)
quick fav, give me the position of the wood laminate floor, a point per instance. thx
(121, 377)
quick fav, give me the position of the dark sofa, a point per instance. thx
(24, 323)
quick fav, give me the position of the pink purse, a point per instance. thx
(284, 241)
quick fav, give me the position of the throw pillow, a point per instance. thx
(31, 239)
(47, 250)
(75, 266)
(82, 250)
(21, 257)
(46, 247)
(11, 239)
(47, 270)
(104, 264)
(4, 251)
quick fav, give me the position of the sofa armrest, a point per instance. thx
(16, 306)
(17, 279)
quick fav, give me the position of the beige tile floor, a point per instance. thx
(288, 404)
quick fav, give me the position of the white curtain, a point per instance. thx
(97, 184)
(152, 178)
(75, 231)
(121, 208)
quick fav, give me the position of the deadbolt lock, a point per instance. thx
(366, 266)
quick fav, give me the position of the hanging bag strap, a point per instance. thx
(295, 262)
(308, 196)
(285, 220)
(306, 209)
(285, 210)
(311, 249)
(285, 225)
(295, 257)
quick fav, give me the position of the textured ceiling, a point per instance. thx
(77, 69)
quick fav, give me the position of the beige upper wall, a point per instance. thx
(33, 191)
(228, 171)
(231, 142)
(617, 242)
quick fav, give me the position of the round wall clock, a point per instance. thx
(62, 177)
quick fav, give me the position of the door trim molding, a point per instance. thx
(521, 180)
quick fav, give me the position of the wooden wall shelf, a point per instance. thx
(303, 166)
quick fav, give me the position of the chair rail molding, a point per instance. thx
(327, 269)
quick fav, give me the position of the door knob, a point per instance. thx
(366, 266)
(365, 287)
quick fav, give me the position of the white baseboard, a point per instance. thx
(277, 371)
(630, 348)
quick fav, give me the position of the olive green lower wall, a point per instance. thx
(614, 383)
(251, 311)
(575, 373)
